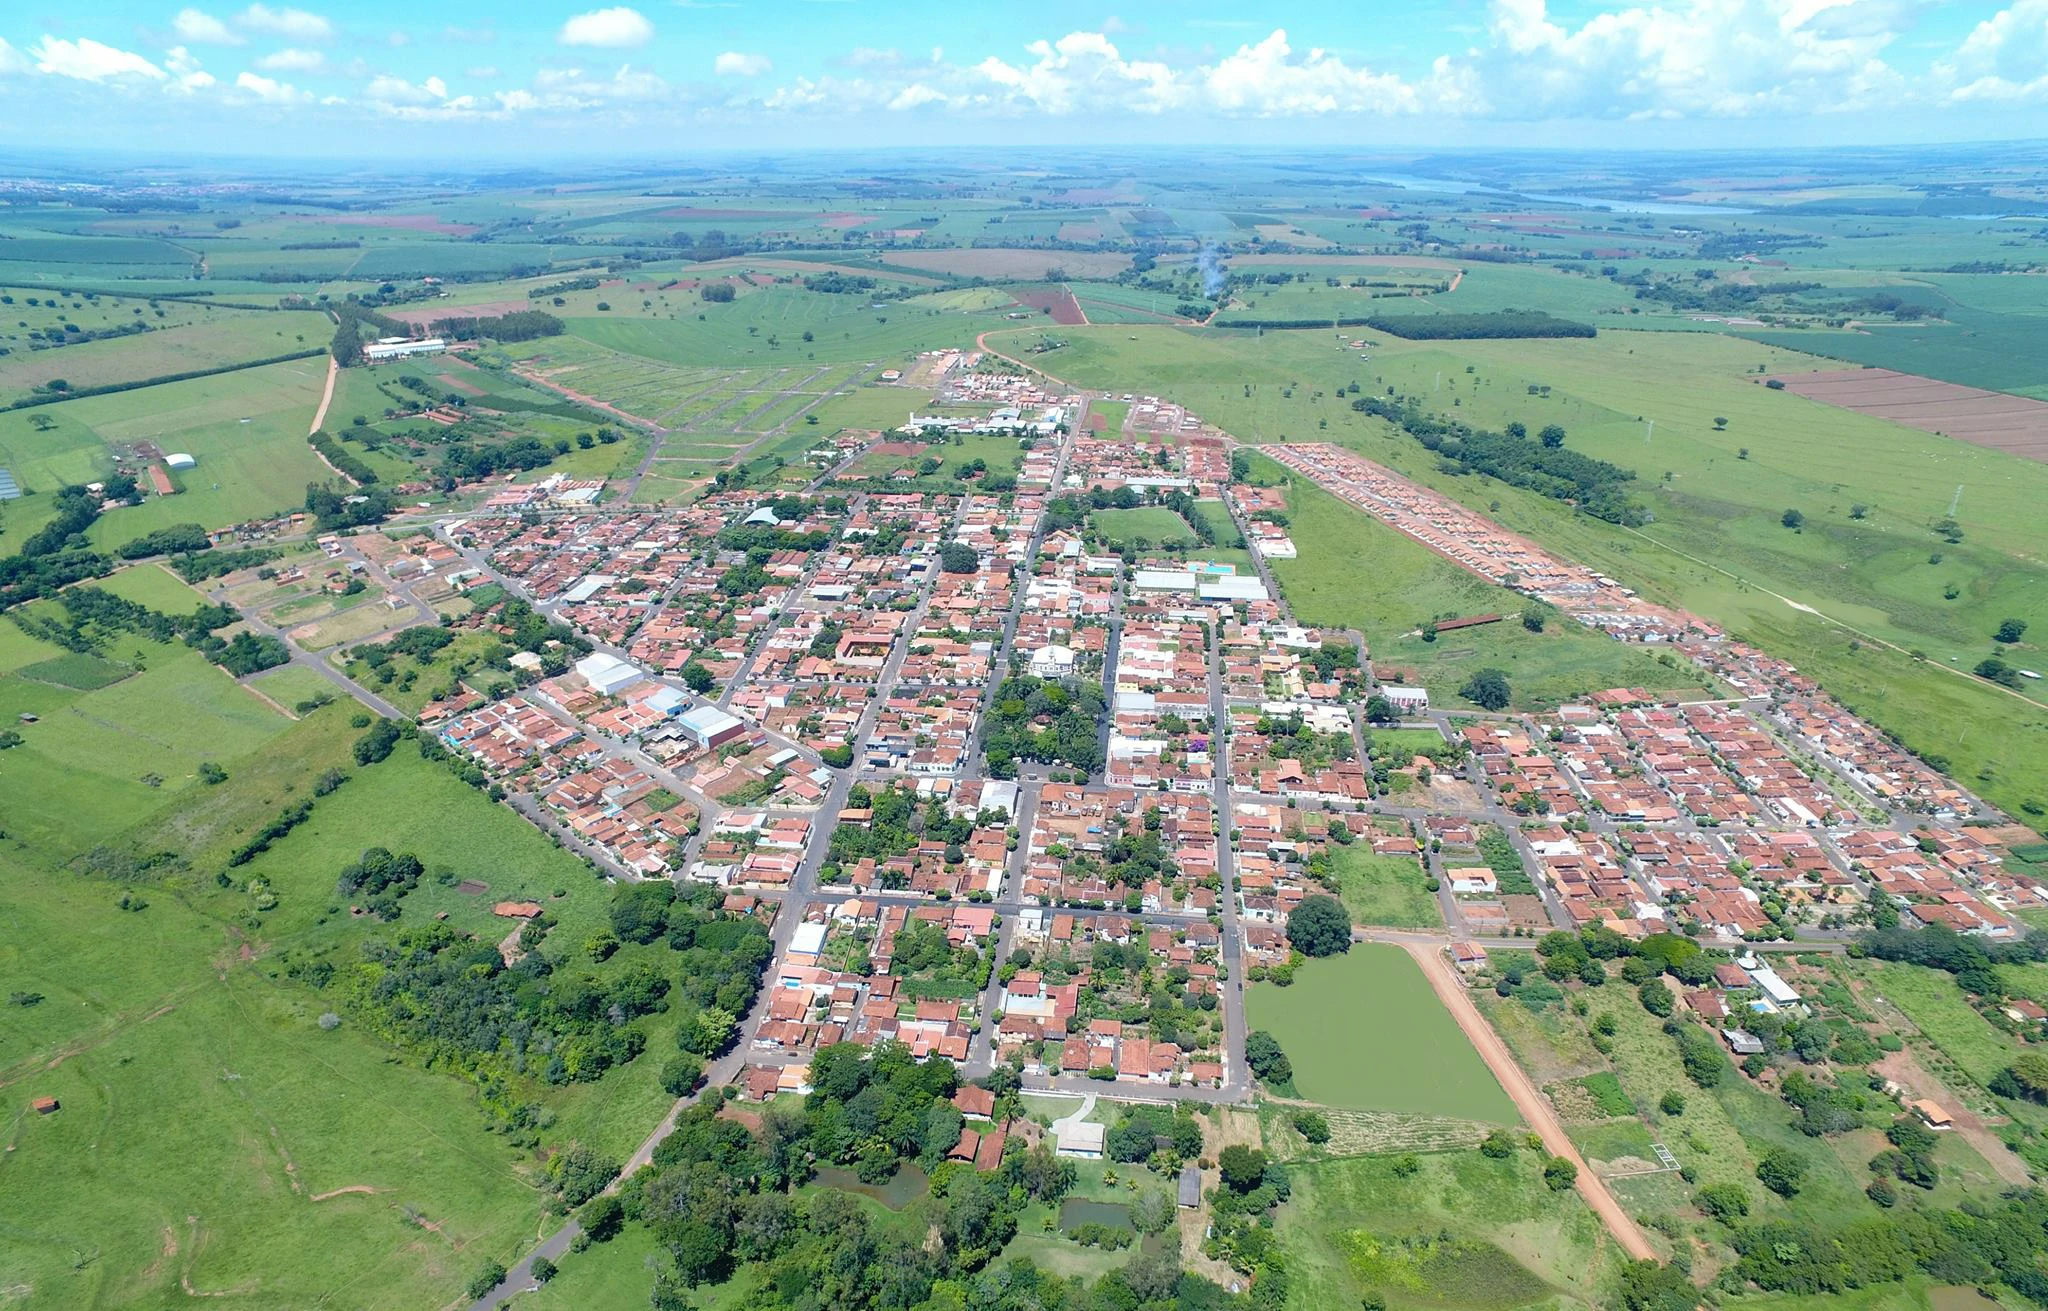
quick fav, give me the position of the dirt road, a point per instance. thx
(1530, 1101)
(326, 398)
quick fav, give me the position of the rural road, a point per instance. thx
(1535, 1108)
(326, 397)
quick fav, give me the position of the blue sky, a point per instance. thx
(660, 78)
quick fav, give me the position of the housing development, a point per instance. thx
(1024, 730)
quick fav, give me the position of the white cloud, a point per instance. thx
(88, 61)
(291, 24)
(1082, 71)
(2004, 58)
(628, 83)
(271, 91)
(11, 60)
(1266, 78)
(202, 29)
(293, 59)
(186, 74)
(916, 95)
(611, 29)
(388, 90)
(733, 63)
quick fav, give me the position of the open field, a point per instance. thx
(994, 263)
(2014, 424)
(1389, 1007)
(1463, 1232)
(1384, 890)
(229, 339)
(1151, 525)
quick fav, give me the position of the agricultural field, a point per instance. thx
(1439, 1074)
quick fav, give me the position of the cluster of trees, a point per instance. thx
(1980, 1243)
(1043, 720)
(166, 541)
(465, 462)
(1543, 465)
(1487, 687)
(216, 563)
(519, 325)
(341, 458)
(899, 822)
(381, 878)
(336, 509)
(1262, 1052)
(1499, 323)
(718, 1195)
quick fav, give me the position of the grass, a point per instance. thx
(227, 338)
(1511, 1241)
(1152, 525)
(85, 770)
(1387, 1007)
(1384, 890)
(155, 586)
(766, 327)
(151, 1010)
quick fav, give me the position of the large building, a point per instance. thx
(608, 675)
(710, 726)
(399, 348)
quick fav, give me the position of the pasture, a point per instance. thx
(767, 328)
(229, 338)
(1142, 528)
(1462, 1233)
(1384, 890)
(1376, 996)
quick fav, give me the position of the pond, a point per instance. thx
(907, 1185)
(1076, 1211)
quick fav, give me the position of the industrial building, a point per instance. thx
(399, 348)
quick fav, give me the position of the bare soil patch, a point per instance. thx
(2014, 424)
(1059, 302)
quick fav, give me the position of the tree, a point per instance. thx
(1533, 617)
(1720, 423)
(1723, 1201)
(1243, 1168)
(1792, 519)
(1656, 998)
(1498, 1144)
(698, 679)
(1672, 1103)
(1648, 1286)
(1552, 436)
(1312, 1125)
(602, 1218)
(1489, 688)
(484, 1280)
(1379, 710)
(1559, 1173)
(958, 558)
(1319, 926)
(1781, 1171)
(1262, 1052)
(2012, 630)
(543, 1270)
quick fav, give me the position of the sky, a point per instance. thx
(659, 79)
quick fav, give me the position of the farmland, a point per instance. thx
(1440, 1073)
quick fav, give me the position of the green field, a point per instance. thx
(1151, 525)
(1378, 997)
(1384, 890)
(1464, 1233)
(766, 328)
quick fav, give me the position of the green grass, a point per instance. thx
(151, 1011)
(1152, 525)
(155, 586)
(1607, 1094)
(1384, 890)
(1378, 997)
(76, 670)
(843, 328)
(618, 1273)
(228, 338)
(84, 771)
(1512, 1242)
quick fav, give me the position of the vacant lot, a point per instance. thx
(1384, 890)
(1151, 526)
(1377, 998)
(2003, 422)
(1463, 1233)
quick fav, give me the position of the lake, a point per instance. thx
(907, 1185)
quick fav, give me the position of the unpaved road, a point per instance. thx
(1530, 1101)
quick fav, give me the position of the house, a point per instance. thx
(1407, 700)
(1932, 1113)
(1742, 1042)
(1081, 1139)
(45, 1105)
(1476, 879)
(1190, 1187)
(1469, 957)
(975, 1103)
